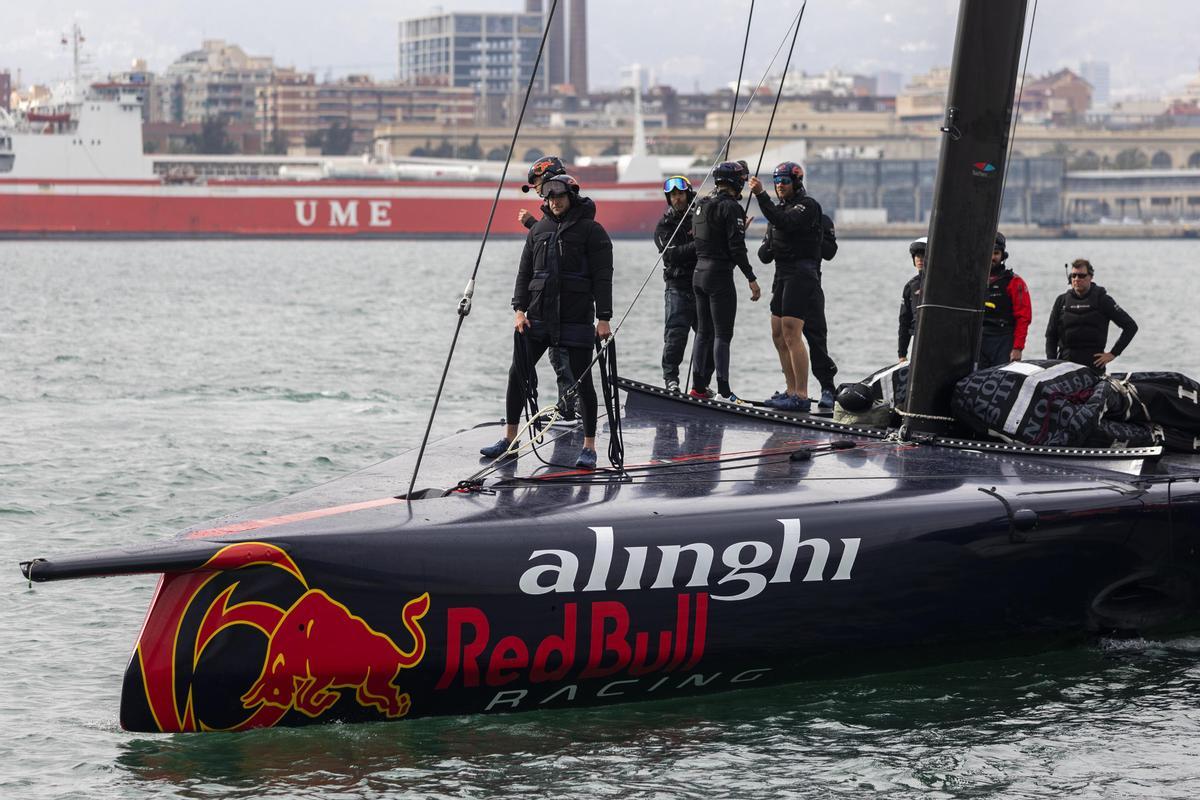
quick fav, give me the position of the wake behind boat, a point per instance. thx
(728, 547)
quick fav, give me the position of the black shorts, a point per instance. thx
(795, 294)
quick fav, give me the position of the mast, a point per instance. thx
(966, 207)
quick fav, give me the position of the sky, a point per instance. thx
(1150, 45)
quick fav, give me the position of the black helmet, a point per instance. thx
(560, 184)
(732, 173)
(545, 167)
(855, 397)
(1001, 245)
(918, 247)
(790, 170)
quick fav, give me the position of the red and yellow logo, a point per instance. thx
(317, 649)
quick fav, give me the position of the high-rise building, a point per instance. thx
(1096, 73)
(5, 90)
(491, 53)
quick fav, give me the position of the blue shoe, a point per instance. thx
(587, 459)
(826, 399)
(773, 400)
(794, 403)
(495, 450)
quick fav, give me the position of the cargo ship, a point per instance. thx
(74, 167)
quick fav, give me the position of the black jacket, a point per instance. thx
(679, 258)
(566, 274)
(794, 233)
(719, 228)
(1078, 326)
(910, 298)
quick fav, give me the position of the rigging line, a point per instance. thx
(1012, 133)
(738, 90)
(654, 267)
(778, 95)
(464, 305)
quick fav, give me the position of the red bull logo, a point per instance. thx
(317, 650)
(319, 646)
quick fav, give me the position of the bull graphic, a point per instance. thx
(319, 646)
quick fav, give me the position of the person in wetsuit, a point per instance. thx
(540, 171)
(1078, 326)
(910, 298)
(674, 239)
(793, 242)
(719, 227)
(564, 284)
(1007, 312)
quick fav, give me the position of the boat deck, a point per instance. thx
(677, 450)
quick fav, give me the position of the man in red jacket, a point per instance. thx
(1007, 312)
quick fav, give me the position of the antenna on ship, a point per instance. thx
(76, 39)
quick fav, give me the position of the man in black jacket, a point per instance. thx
(1078, 326)
(793, 242)
(540, 171)
(719, 226)
(910, 298)
(564, 284)
(674, 239)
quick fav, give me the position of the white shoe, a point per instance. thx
(731, 398)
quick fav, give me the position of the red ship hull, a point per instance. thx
(320, 209)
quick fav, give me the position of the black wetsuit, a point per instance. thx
(794, 241)
(910, 299)
(679, 268)
(1078, 326)
(719, 227)
(564, 284)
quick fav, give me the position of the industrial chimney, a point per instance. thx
(578, 49)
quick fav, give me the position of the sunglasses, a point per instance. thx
(783, 180)
(1080, 275)
(676, 182)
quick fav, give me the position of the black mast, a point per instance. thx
(966, 206)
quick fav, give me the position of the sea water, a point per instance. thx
(148, 386)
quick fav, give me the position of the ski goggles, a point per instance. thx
(677, 182)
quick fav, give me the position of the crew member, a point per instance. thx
(816, 331)
(719, 227)
(910, 298)
(541, 170)
(793, 242)
(1007, 312)
(674, 239)
(564, 284)
(1078, 326)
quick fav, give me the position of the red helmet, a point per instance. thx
(545, 167)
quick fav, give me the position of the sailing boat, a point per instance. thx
(737, 547)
